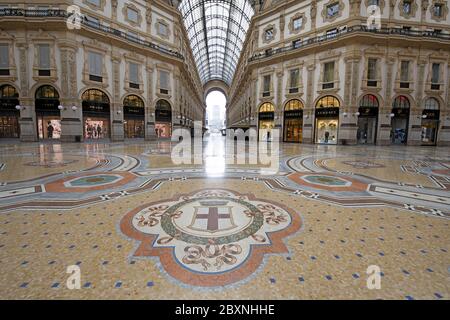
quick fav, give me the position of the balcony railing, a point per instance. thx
(59, 13)
(350, 30)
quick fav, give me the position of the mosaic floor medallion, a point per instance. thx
(328, 181)
(50, 163)
(90, 182)
(210, 238)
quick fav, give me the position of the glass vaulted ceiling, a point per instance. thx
(216, 30)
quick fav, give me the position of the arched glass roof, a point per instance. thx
(216, 30)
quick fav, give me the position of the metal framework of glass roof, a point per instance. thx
(216, 31)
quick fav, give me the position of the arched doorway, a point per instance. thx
(400, 120)
(134, 117)
(327, 120)
(48, 114)
(430, 122)
(9, 115)
(293, 121)
(96, 114)
(163, 119)
(266, 121)
(367, 119)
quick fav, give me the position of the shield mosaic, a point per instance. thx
(211, 237)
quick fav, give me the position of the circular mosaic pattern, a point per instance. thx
(91, 181)
(218, 236)
(326, 180)
(50, 163)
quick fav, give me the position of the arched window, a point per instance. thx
(292, 105)
(8, 92)
(133, 101)
(369, 101)
(328, 102)
(401, 102)
(46, 92)
(431, 104)
(163, 105)
(267, 107)
(95, 95)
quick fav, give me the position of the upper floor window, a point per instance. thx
(438, 10)
(333, 10)
(268, 34)
(163, 29)
(435, 69)
(328, 75)
(374, 3)
(134, 75)
(164, 82)
(404, 74)
(94, 2)
(266, 85)
(95, 67)
(4, 59)
(44, 56)
(372, 72)
(132, 15)
(297, 23)
(407, 7)
(294, 80)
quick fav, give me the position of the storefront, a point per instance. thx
(430, 122)
(293, 121)
(48, 115)
(367, 120)
(134, 117)
(96, 114)
(400, 120)
(163, 119)
(327, 120)
(266, 121)
(9, 115)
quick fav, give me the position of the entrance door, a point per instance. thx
(49, 126)
(134, 128)
(367, 127)
(293, 130)
(96, 127)
(9, 127)
(399, 131)
(429, 132)
(327, 130)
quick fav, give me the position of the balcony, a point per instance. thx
(58, 13)
(351, 30)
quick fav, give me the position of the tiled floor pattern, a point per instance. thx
(327, 258)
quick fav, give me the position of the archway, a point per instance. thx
(430, 122)
(163, 119)
(134, 116)
(367, 119)
(215, 111)
(266, 121)
(327, 120)
(48, 112)
(96, 114)
(293, 121)
(9, 115)
(400, 120)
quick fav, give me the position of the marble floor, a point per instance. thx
(121, 220)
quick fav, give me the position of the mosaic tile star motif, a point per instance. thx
(211, 237)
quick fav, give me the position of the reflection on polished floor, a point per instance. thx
(138, 226)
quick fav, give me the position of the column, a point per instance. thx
(71, 115)
(415, 114)
(27, 119)
(150, 107)
(384, 119)
(444, 130)
(308, 112)
(117, 132)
